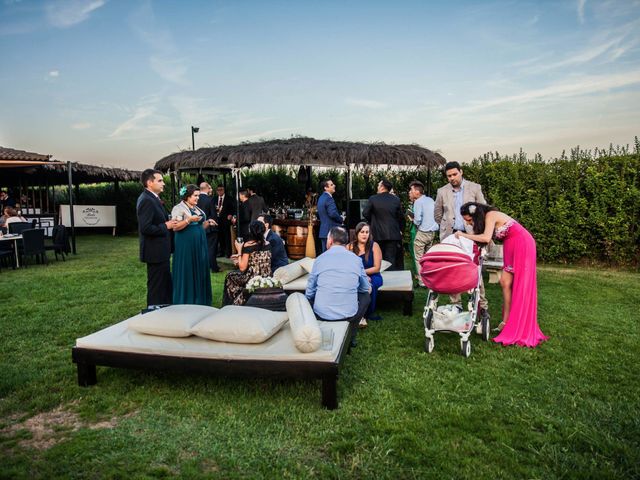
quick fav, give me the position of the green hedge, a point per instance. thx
(585, 206)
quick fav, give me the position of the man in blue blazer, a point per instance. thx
(278, 253)
(155, 239)
(327, 211)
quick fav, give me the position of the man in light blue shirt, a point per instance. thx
(423, 219)
(338, 287)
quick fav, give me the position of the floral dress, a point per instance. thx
(236, 281)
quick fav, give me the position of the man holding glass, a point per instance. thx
(154, 229)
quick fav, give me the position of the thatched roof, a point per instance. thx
(302, 151)
(18, 165)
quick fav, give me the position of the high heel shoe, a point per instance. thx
(499, 327)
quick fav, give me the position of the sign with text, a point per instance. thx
(89, 215)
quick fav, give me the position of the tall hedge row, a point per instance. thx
(585, 206)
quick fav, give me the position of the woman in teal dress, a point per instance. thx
(191, 276)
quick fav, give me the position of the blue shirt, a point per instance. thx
(423, 218)
(335, 280)
(458, 221)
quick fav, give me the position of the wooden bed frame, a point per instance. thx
(87, 359)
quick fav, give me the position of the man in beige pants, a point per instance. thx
(447, 213)
(422, 217)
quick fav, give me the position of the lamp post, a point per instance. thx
(193, 140)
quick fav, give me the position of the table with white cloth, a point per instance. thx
(13, 237)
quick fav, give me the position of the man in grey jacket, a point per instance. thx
(447, 213)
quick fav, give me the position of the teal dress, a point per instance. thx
(191, 276)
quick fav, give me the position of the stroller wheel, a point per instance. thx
(429, 345)
(486, 328)
(428, 321)
(465, 349)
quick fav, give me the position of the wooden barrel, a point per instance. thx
(296, 242)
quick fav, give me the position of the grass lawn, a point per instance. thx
(570, 408)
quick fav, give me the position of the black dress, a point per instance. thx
(236, 281)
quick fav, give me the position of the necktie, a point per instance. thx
(219, 203)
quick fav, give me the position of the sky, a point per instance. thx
(121, 82)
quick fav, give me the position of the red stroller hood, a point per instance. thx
(447, 269)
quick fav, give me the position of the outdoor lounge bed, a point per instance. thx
(397, 285)
(120, 346)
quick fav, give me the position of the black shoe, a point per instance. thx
(215, 271)
(353, 343)
(375, 318)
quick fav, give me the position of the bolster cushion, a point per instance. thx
(289, 273)
(171, 321)
(239, 324)
(305, 330)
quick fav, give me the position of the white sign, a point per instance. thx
(89, 215)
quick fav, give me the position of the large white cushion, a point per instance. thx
(237, 324)
(307, 264)
(288, 273)
(397, 281)
(298, 285)
(303, 323)
(172, 321)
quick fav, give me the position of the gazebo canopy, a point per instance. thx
(18, 166)
(301, 151)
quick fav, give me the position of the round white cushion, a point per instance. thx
(305, 330)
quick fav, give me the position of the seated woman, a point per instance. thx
(253, 259)
(11, 216)
(371, 255)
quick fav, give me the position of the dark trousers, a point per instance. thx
(159, 285)
(390, 252)
(363, 303)
(323, 245)
(212, 243)
(224, 239)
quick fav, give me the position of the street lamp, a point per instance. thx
(193, 140)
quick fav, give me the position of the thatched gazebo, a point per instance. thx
(34, 174)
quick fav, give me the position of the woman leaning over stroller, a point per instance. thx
(518, 281)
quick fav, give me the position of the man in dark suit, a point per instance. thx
(155, 239)
(225, 208)
(278, 253)
(384, 214)
(255, 204)
(327, 211)
(205, 203)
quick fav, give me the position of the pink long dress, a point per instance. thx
(519, 253)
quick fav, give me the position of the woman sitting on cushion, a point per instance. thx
(253, 259)
(371, 256)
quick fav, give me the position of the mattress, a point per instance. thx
(280, 347)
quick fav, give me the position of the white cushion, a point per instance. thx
(384, 265)
(397, 281)
(303, 323)
(307, 264)
(288, 273)
(297, 285)
(238, 324)
(172, 321)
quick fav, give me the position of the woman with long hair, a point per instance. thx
(371, 255)
(191, 276)
(518, 281)
(253, 259)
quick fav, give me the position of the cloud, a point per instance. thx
(134, 121)
(66, 13)
(54, 73)
(581, 4)
(364, 103)
(81, 126)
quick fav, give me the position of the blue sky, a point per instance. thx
(115, 82)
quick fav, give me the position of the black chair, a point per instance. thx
(33, 245)
(19, 227)
(7, 254)
(60, 241)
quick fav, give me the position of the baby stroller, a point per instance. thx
(454, 266)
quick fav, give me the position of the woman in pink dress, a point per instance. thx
(518, 281)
